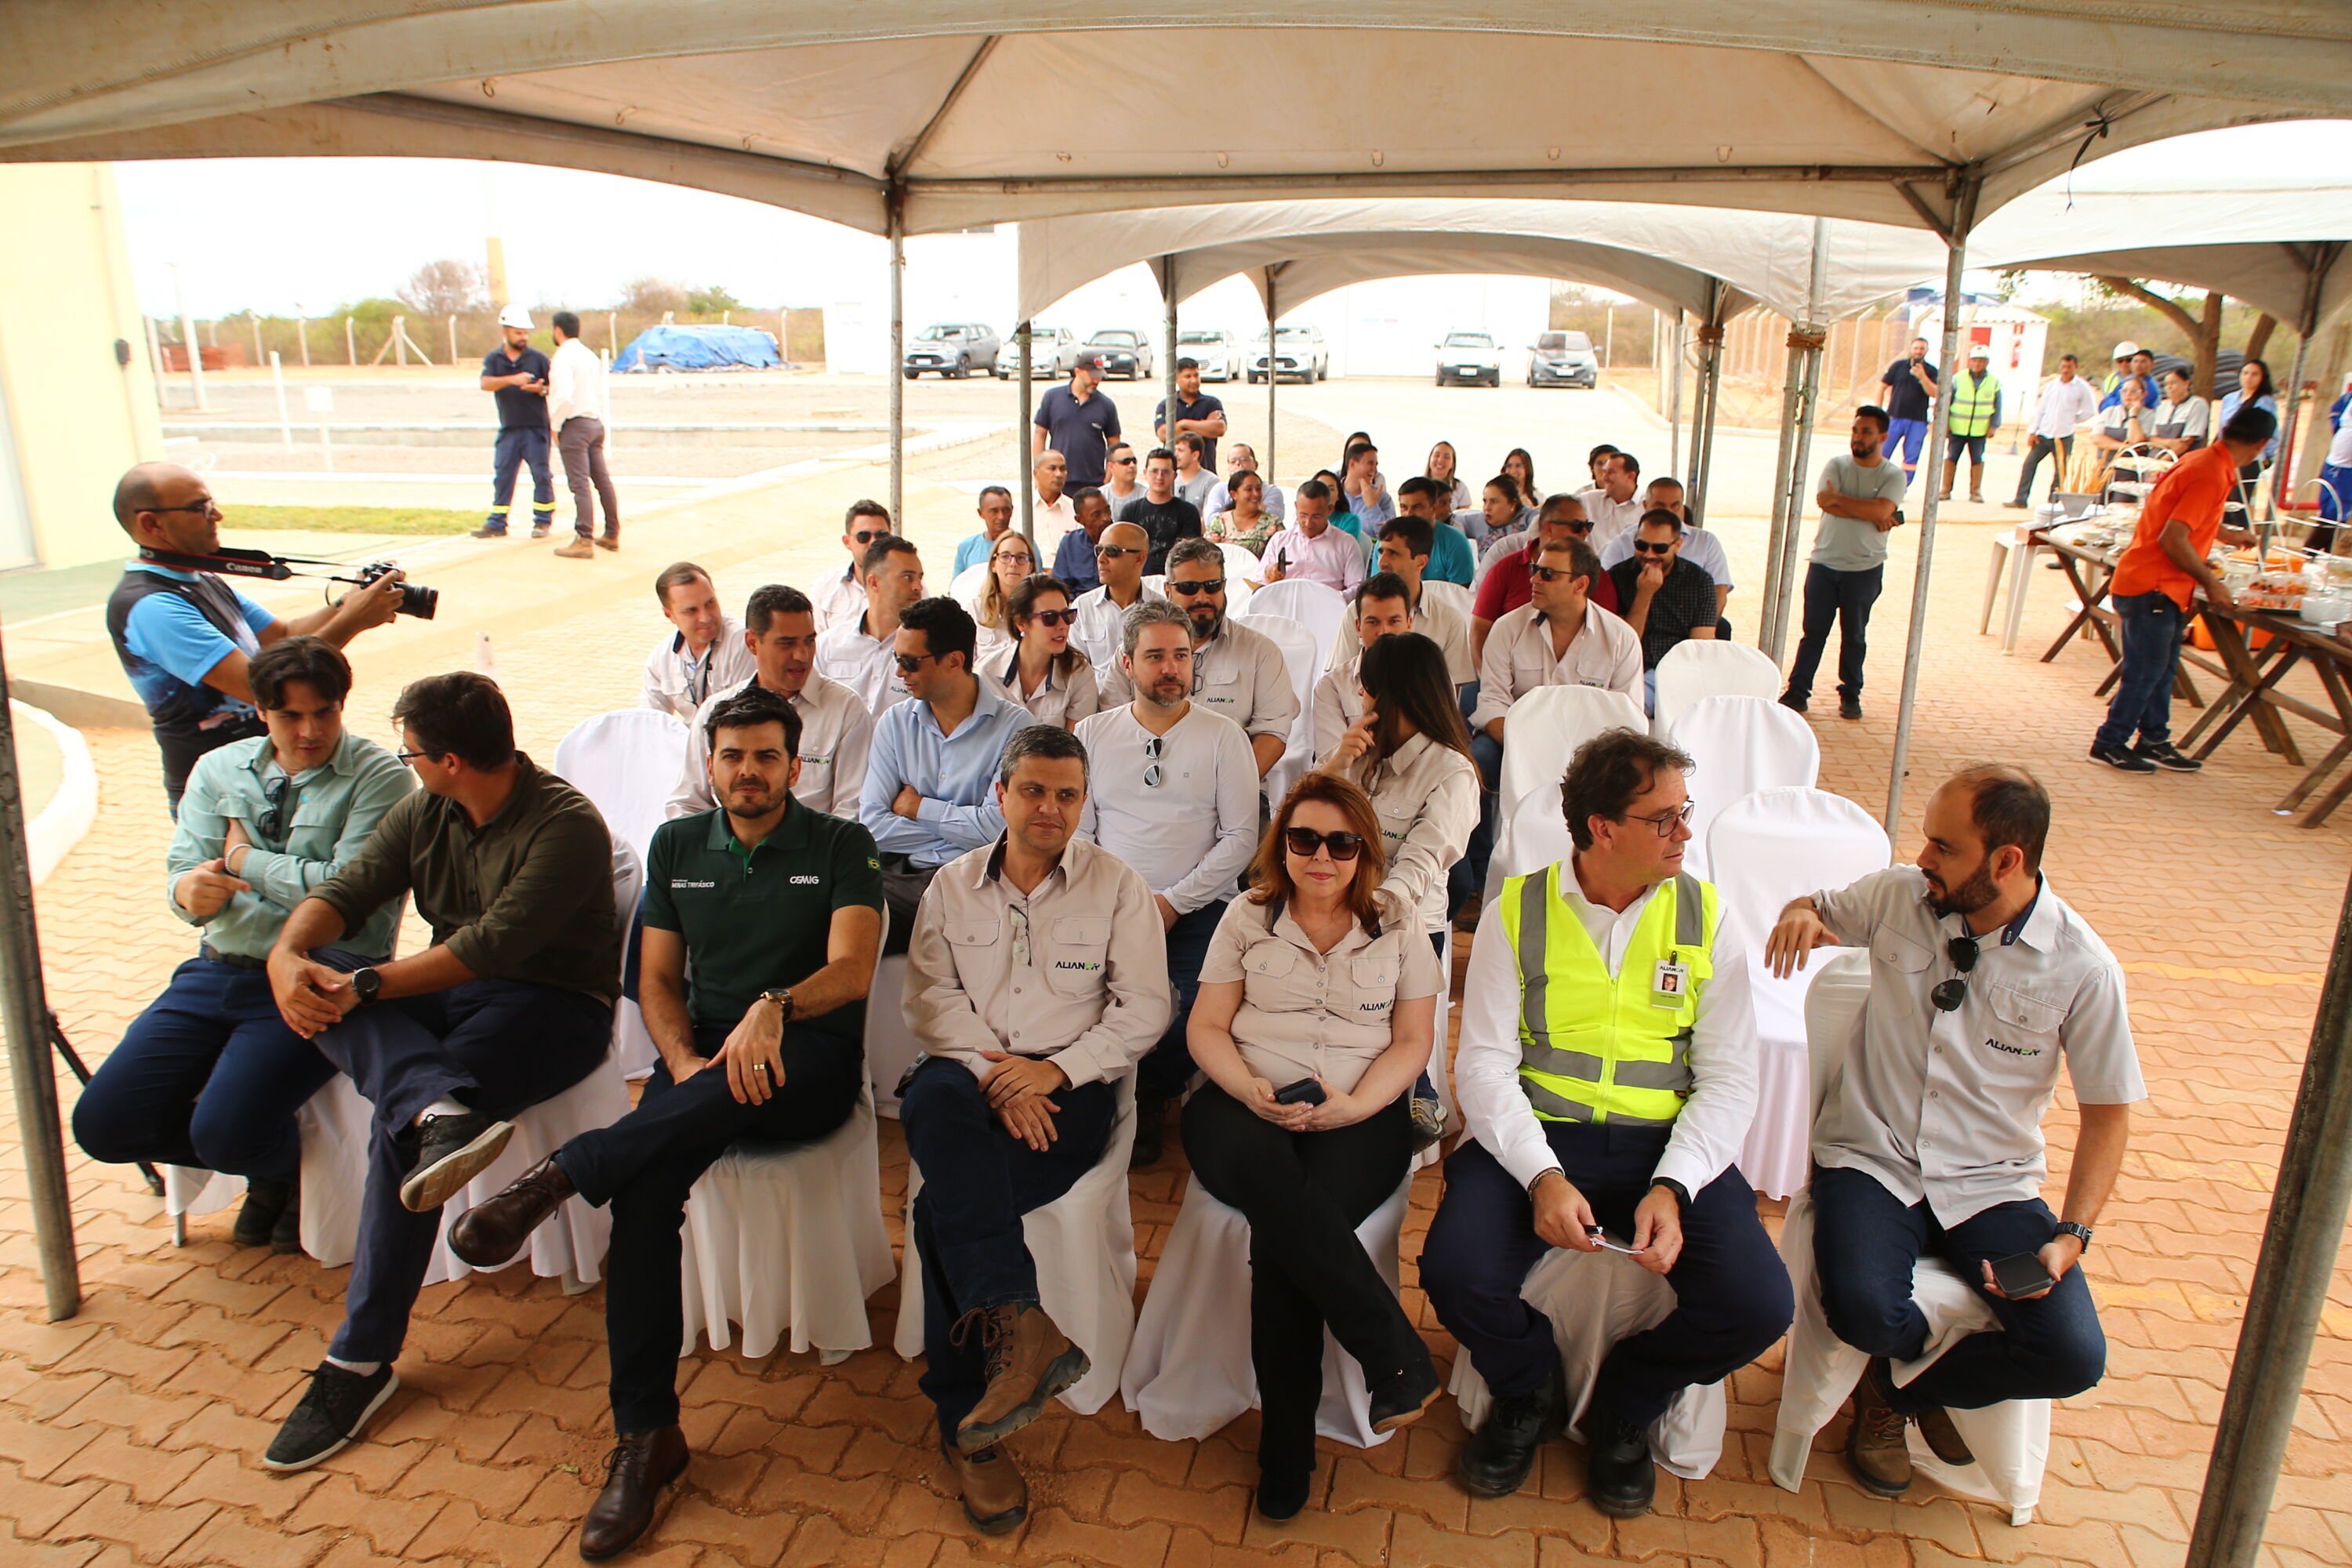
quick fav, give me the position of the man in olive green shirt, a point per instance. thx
(513, 1004)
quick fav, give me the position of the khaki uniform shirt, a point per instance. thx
(1306, 1014)
(836, 734)
(1239, 674)
(1060, 699)
(1427, 798)
(1605, 652)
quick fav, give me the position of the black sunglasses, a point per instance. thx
(1055, 618)
(1653, 547)
(909, 663)
(1115, 551)
(1206, 586)
(271, 822)
(205, 505)
(1948, 995)
(1304, 841)
(1152, 746)
(864, 537)
(1552, 573)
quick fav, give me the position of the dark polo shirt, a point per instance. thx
(759, 919)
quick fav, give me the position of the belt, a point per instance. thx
(234, 960)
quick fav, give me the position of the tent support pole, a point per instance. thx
(1710, 396)
(1168, 349)
(1024, 334)
(1265, 464)
(897, 370)
(1964, 217)
(1768, 622)
(2323, 256)
(1674, 396)
(1806, 341)
(2290, 1288)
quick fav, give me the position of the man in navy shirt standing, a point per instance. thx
(1080, 422)
(1905, 389)
(1198, 414)
(516, 375)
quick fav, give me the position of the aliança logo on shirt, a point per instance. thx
(1078, 964)
(2004, 1047)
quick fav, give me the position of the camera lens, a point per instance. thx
(418, 600)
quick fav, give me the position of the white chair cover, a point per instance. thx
(627, 762)
(1594, 1300)
(1534, 836)
(964, 586)
(1189, 1372)
(1710, 668)
(1546, 727)
(1766, 849)
(1317, 607)
(2010, 1441)
(1302, 657)
(1084, 1245)
(1243, 569)
(890, 1046)
(1739, 745)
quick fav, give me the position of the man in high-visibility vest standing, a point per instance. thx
(1975, 412)
(1607, 1072)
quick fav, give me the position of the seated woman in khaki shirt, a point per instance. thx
(1314, 978)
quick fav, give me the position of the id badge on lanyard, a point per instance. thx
(1669, 984)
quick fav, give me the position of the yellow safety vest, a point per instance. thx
(1973, 401)
(1597, 1048)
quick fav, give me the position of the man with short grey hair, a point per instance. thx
(1236, 672)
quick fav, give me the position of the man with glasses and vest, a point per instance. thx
(1976, 413)
(1981, 981)
(1607, 1074)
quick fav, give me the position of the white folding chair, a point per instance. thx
(1302, 658)
(1084, 1245)
(1317, 607)
(2010, 1441)
(1739, 745)
(1243, 569)
(1548, 724)
(890, 1045)
(1766, 849)
(1710, 668)
(626, 761)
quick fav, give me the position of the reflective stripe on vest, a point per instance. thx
(1972, 404)
(1597, 1048)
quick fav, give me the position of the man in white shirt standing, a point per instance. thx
(842, 598)
(576, 407)
(1174, 795)
(1102, 611)
(2065, 404)
(705, 652)
(1607, 1072)
(1310, 547)
(1612, 504)
(860, 653)
(836, 732)
(1237, 672)
(1981, 981)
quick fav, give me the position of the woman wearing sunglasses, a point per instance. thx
(1010, 561)
(1039, 669)
(1315, 1011)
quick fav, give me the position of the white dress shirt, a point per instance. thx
(1098, 632)
(1054, 521)
(2065, 406)
(836, 732)
(865, 664)
(1333, 557)
(838, 599)
(678, 683)
(1438, 621)
(1714, 1119)
(1700, 547)
(1611, 519)
(1192, 834)
(575, 384)
(1604, 652)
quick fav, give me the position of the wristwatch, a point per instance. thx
(365, 983)
(782, 998)
(2081, 1233)
(1681, 1194)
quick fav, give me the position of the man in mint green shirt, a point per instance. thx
(209, 1075)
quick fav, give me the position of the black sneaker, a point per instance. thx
(333, 1411)
(2167, 756)
(2123, 759)
(488, 531)
(1793, 702)
(1428, 1123)
(264, 1201)
(1150, 1130)
(450, 1151)
(1849, 707)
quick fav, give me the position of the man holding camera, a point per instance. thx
(184, 635)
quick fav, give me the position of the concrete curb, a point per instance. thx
(72, 809)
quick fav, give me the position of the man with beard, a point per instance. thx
(1980, 980)
(1861, 498)
(778, 907)
(1236, 672)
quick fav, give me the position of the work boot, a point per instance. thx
(489, 1235)
(609, 539)
(1150, 1130)
(638, 1470)
(493, 529)
(1944, 1439)
(1029, 1362)
(1976, 483)
(1495, 1462)
(578, 549)
(995, 1495)
(264, 1200)
(1618, 1475)
(541, 530)
(286, 1235)
(1876, 1450)
(1951, 468)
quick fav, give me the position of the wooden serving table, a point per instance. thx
(2252, 693)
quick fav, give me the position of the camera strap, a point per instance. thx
(230, 563)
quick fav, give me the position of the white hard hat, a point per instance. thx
(516, 316)
(2125, 350)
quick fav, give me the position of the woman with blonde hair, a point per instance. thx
(1010, 560)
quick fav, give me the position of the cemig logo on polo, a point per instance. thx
(805, 882)
(2005, 1046)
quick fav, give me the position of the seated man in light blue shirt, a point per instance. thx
(930, 778)
(209, 1075)
(995, 519)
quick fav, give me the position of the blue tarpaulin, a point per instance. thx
(700, 348)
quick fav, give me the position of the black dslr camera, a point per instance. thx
(415, 599)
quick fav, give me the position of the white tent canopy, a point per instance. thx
(937, 116)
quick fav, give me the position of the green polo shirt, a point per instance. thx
(759, 919)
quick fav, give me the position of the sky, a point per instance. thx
(295, 236)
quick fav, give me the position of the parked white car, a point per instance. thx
(1304, 356)
(1218, 352)
(1052, 354)
(1469, 358)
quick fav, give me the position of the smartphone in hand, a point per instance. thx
(1306, 1091)
(2021, 1276)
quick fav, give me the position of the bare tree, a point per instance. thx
(650, 296)
(445, 287)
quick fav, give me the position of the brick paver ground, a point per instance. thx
(131, 1433)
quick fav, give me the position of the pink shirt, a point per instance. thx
(1332, 558)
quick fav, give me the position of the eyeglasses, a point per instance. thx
(1304, 842)
(909, 663)
(1206, 586)
(1152, 773)
(412, 757)
(1113, 551)
(1055, 618)
(1025, 559)
(207, 505)
(1948, 995)
(1665, 822)
(271, 822)
(1653, 547)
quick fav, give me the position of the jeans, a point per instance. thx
(514, 449)
(209, 1075)
(497, 1046)
(1842, 598)
(1955, 444)
(1468, 877)
(2042, 446)
(1910, 435)
(646, 1164)
(1169, 1068)
(977, 1181)
(2152, 625)
(1865, 1242)
(1304, 1193)
(582, 443)
(1732, 1295)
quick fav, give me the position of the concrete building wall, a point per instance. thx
(72, 415)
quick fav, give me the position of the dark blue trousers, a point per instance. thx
(2040, 447)
(1169, 1068)
(2151, 625)
(209, 1075)
(1842, 599)
(514, 449)
(646, 1164)
(1468, 875)
(499, 1045)
(1865, 1243)
(977, 1181)
(1732, 1295)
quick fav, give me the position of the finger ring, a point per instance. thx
(764, 1069)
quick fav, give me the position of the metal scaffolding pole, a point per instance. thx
(1675, 398)
(1166, 270)
(1709, 398)
(1799, 410)
(1023, 467)
(897, 372)
(1266, 463)
(1964, 217)
(1768, 615)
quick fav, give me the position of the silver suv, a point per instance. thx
(951, 349)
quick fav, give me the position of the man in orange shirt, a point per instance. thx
(2162, 567)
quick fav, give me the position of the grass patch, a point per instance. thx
(354, 519)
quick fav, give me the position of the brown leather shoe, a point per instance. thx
(640, 1467)
(578, 549)
(995, 1496)
(1876, 1450)
(1944, 1439)
(608, 542)
(1029, 1362)
(490, 1234)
